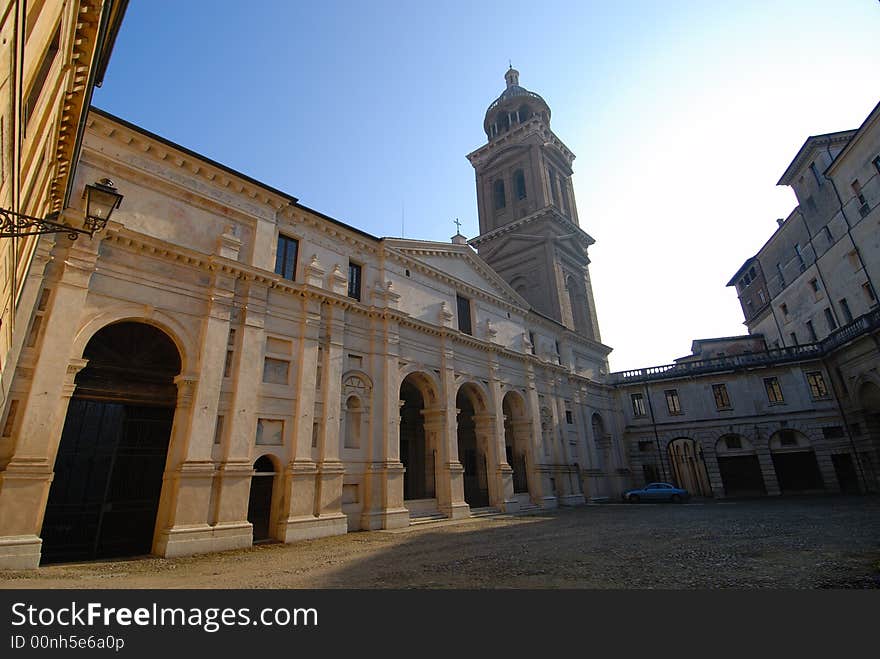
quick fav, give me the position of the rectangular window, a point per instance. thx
(814, 284)
(876, 162)
(800, 257)
(672, 402)
(230, 354)
(42, 74)
(832, 432)
(781, 275)
(774, 391)
(817, 384)
(354, 281)
(794, 339)
(551, 176)
(532, 341)
(270, 431)
(847, 314)
(464, 314)
(812, 331)
(784, 309)
(638, 403)
(285, 257)
(869, 292)
(761, 296)
(568, 417)
(829, 318)
(828, 235)
(722, 400)
(218, 429)
(645, 446)
(275, 371)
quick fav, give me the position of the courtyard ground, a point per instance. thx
(830, 542)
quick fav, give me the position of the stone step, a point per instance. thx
(488, 511)
(425, 518)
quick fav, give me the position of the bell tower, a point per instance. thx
(529, 229)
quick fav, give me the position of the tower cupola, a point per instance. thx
(516, 105)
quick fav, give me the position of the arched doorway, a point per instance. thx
(417, 456)
(516, 439)
(472, 453)
(688, 467)
(260, 500)
(111, 457)
(739, 466)
(795, 462)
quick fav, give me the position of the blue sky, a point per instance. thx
(682, 115)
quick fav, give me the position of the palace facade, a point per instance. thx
(222, 365)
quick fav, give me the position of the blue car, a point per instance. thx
(657, 492)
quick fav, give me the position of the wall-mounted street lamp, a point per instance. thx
(102, 198)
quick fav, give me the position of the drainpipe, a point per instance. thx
(656, 436)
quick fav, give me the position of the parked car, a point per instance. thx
(657, 492)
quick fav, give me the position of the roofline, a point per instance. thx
(817, 140)
(119, 7)
(229, 170)
(105, 39)
(728, 338)
(872, 115)
(741, 268)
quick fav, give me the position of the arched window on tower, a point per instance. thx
(519, 184)
(524, 113)
(563, 188)
(500, 197)
(503, 121)
(551, 178)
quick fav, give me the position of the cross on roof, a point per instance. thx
(457, 226)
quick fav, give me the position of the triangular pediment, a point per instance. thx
(545, 225)
(459, 262)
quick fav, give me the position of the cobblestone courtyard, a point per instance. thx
(829, 542)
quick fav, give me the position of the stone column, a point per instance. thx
(768, 472)
(500, 472)
(24, 484)
(298, 510)
(450, 480)
(184, 518)
(539, 480)
(388, 510)
(240, 425)
(826, 469)
(586, 457)
(330, 470)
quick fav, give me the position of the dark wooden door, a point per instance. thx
(108, 478)
(260, 505)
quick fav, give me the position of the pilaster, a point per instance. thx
(24, 484)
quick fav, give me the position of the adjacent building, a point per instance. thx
(794, 406)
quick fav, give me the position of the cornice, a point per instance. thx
(76, 70)
(548, 212)
(534, 126)
(811, 144)
(215, 176)
(192, 165)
